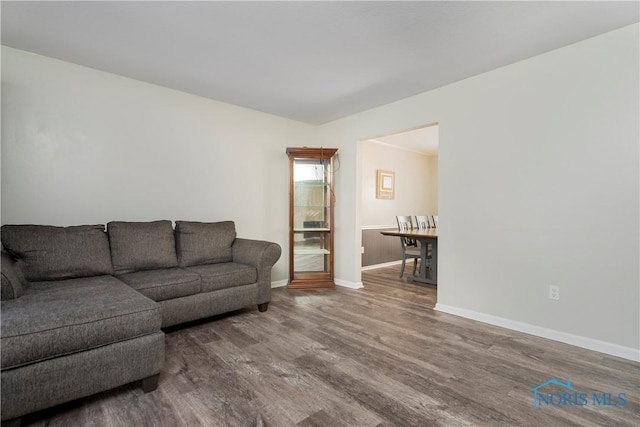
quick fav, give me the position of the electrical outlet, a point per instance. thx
(554, 292)
(362, 249)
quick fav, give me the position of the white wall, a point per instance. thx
(538, 174)
(432, 184)
(416, 186)
(83, 146)
(539, 186)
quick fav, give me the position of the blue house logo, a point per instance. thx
(537, 395)
(571, 397)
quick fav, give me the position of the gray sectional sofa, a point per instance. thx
(83, 307)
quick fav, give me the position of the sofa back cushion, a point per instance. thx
(55, 253)
(137, 246)
(204, 242)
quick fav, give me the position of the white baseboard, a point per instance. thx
(385, 264)
(577, 340)
(279, 283)
(347, 284)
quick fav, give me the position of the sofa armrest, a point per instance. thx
(262, 255)
(12, 279)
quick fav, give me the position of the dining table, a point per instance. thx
(426, 237)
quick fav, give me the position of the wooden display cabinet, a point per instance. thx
(311, 200)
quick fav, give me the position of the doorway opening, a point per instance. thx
(411, 157)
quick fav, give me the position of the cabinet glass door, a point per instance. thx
(311, 215)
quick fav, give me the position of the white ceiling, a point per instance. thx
(308, 61)
(424, 140)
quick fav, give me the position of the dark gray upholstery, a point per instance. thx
(193, 307)
(139, 246)
(57, 318)
(53, 253)
(204, 242)
(163, 284)
(44, 384)
(259, 254)
(12, 279)
(75, 331)
(224, 275)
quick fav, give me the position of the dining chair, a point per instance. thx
(423, 222)
(409, 246)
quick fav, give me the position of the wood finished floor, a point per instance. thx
(379, 356)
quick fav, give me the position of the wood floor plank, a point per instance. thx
(419, 376)
(277, 380)
(378, 356)
(365, 393)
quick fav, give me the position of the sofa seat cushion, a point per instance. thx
(55, 253)
(224, 275)
(163, 284)
(57, 318)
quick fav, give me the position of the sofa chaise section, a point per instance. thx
(103, 334)
(69, 328)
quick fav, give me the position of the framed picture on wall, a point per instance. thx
(385, 185)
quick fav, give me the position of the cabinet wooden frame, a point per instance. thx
(311, 228)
